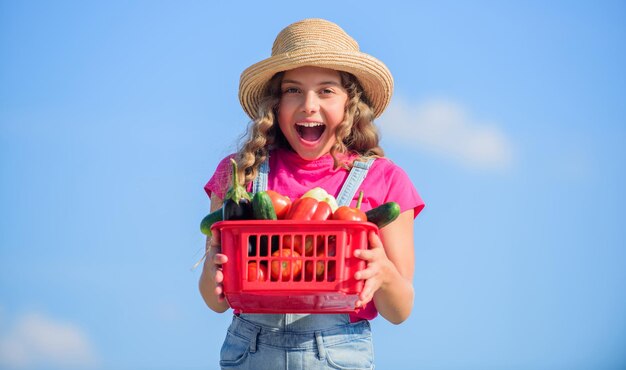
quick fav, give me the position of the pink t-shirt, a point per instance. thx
(293, 176)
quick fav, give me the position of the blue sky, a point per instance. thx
(508, 116)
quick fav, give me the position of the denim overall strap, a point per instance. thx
(260, 182)
(354, 180)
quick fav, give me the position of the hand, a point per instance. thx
(377, 272)
(214, 262)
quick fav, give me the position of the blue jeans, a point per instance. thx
(279, 341)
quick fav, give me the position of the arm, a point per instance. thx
(389, 273)
(212, 277)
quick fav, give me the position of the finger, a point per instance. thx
(375, 241)
(220, 259)
(375, 244)
(369, 288)
(365, 254)
(219, 276)
(364, 274)
(219, 291)
(216, 238)
(365, 296)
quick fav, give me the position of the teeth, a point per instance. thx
(309, 124)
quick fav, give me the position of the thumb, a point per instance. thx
(216, 238)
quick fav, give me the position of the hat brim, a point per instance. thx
(372, 74)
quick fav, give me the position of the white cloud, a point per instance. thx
(444, 128)
(35, 340)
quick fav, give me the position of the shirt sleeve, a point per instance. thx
(402, 191)
(218, 183)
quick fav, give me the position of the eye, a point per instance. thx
(326, 91)
(291, 90)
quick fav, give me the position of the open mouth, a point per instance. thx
(310, 131)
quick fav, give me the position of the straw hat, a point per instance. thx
(320, 43)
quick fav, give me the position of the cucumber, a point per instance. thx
(384, 214)
(209, 220)
(262, 207)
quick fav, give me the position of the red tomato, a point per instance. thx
(280, 202)
(332, 264)
(345, 213)
(257, 272)
(332, 246)
(319, 267)
(296, 243)
(281, 269)
(321, 264)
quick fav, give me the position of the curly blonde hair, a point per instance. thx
(356, 134)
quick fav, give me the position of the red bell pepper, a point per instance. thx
(322, 212)
(307, 209)
(347, 213)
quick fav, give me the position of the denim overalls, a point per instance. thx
(300, 341)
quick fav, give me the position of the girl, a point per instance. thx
(312, 105)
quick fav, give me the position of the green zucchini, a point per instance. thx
(384, 214)
(262, 207)
(209, 220)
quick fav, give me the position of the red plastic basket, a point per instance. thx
(309, 265)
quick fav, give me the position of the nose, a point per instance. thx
(311, 103)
